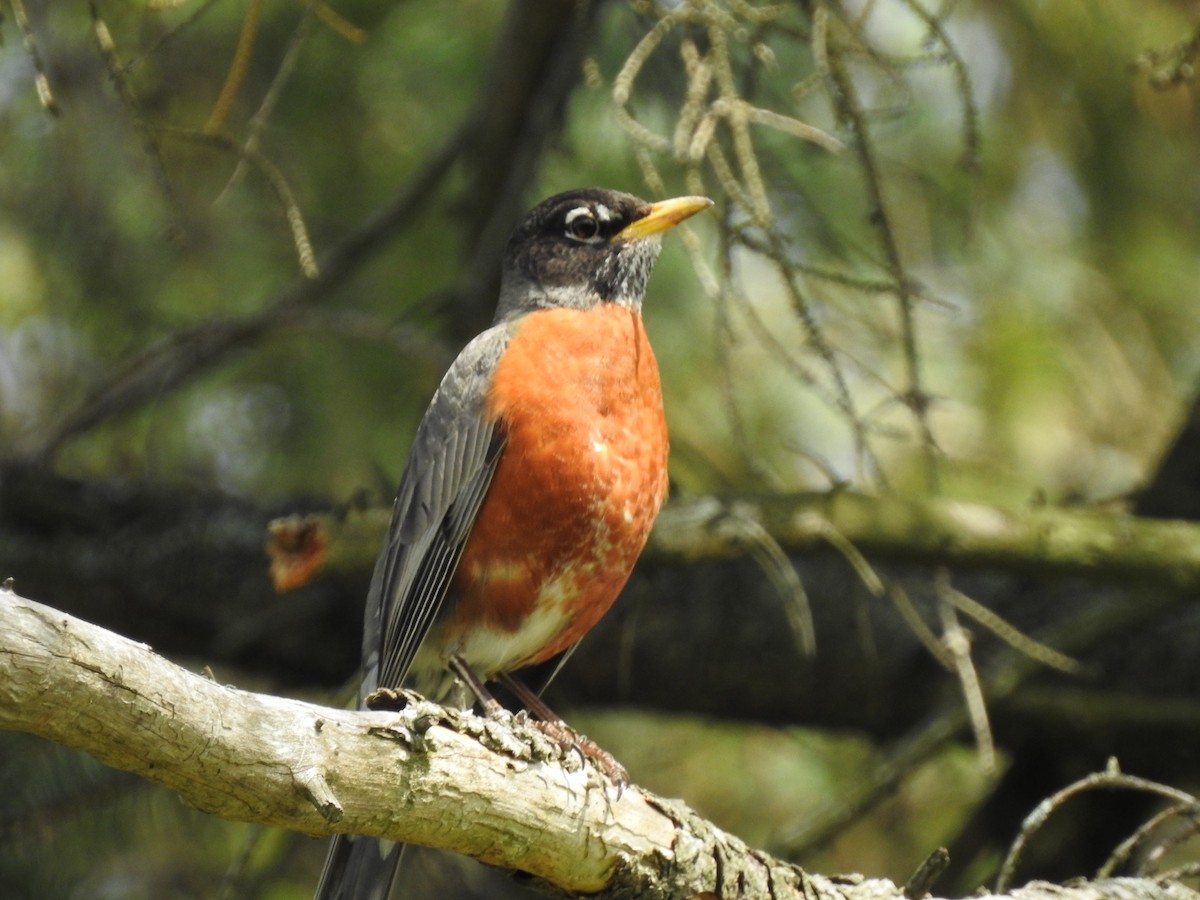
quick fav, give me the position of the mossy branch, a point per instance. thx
(1106, 546)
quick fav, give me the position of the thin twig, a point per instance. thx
(295, 218)
(958, 643)
(962, 80)
(1142, 835)
(919, 745)
(237, 69)
(41, 82)
(850, 108)
(922, 881)
(171, 34)
(904, 605)
(335, 22)
(1112, 778)
(258, 121)
(781, 572)
(116, 74)
(1008, 632)
(1188, 829)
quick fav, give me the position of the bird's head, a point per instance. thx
(586, 247)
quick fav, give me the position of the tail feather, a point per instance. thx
(359, 868)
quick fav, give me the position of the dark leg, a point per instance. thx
(461, 668)
(529, 698)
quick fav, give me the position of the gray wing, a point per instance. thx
(450, 466)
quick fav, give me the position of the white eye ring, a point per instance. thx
(582, 225)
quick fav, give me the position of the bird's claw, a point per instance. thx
(571, 739)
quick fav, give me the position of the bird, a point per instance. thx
(532, 481)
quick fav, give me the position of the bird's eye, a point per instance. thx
(582, 225)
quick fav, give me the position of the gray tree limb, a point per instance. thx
(499, 791)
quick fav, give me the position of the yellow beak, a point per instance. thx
(663, 215)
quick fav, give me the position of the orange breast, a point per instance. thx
(582, 478)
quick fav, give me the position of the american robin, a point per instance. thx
(534, 476)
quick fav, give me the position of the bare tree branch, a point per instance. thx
(501, 792)
(496, 790)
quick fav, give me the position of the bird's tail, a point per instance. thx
(359, 868)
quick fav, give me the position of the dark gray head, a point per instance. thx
(586, 247)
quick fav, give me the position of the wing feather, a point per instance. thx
(449, 469)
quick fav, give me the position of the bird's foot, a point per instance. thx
(570, 739)
(552, 725)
